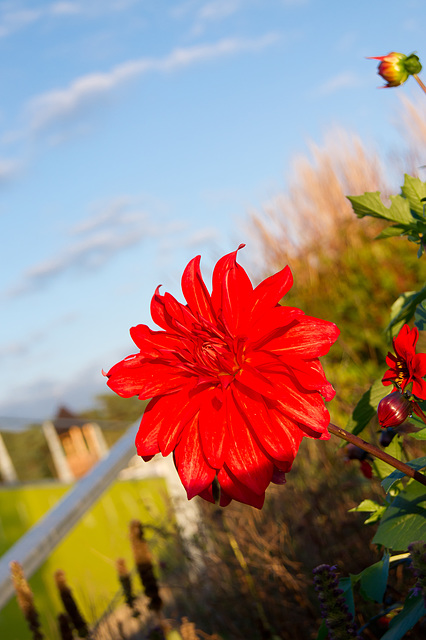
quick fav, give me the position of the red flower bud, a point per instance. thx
(396, 67)
(394, 409)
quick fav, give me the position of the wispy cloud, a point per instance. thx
(100, 238)
(8, 169)
(17, 16)
(23, 348)
(337, 82)
(214, 11)
(55, 105)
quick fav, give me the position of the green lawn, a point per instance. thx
(88, 553)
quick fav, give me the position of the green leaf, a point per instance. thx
(405, 519)
(366, 408)
(369, 506)
(393, 230)
(414, 190)
(322, 631)
(370, 204)
(345, 584)
(418, 435)
(383, 469)
(418, 463)
(373, 580)
(413, 610)
(404, 308)
(420, 316)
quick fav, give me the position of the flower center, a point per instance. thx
(403, 373)
(214, 355)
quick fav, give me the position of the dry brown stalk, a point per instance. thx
(126, 584)
(187, 630)
(314, 209)
(144, 566)
(25, 599)
(70, 605)
(65, 629)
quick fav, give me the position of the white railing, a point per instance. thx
(33, 548)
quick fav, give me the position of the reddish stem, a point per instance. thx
(421, 84)
(378, 453)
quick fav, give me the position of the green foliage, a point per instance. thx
(413, 610)
(30, 454)
(366, 408)
(406, 211)
(373, 508)
(405, 519)
(389, 481)
(373, 580)
(112, 407)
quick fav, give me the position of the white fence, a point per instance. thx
(34, 547)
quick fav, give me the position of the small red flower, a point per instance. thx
(234, 378)
(407, 367)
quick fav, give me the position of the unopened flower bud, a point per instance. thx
(393, 410)
(396, 67)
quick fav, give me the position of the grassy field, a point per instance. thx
(88, 553)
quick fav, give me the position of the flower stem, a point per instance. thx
(420, 83)
(378, 453)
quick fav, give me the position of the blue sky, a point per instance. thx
(135, 134)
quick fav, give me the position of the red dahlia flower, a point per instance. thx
(407, 366)
(234, 378)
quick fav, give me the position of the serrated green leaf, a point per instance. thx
(414, 190)
(366, 408)
(420, 316)
(414, 609)
(417, 464)
(405, 519)
(370, 204)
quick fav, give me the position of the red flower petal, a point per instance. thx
(233, 488)
(153, 343)
(244, 457)
(195, 291)
(279, 436)
(194, 471)
(231, 293)
(269, 292)
(136, 376)
(213, 427)
(309, 337)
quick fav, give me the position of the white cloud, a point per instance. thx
(14, 16)
(49, 107)
(340, 81)
(119, 225)
(14, 20)
(65, 8)
(8, 169)
(218, 9)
